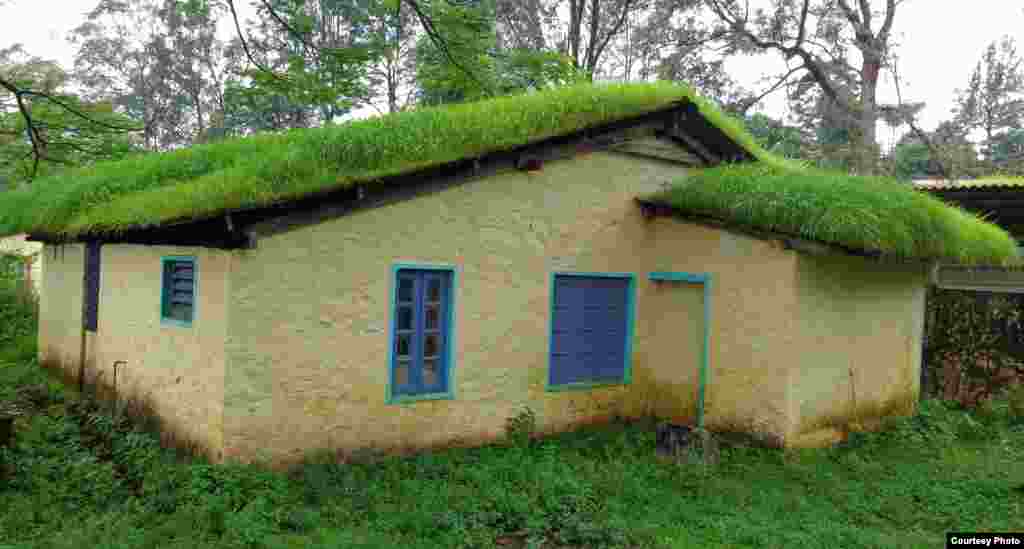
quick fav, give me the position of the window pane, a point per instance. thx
(402, 373)
(402, 345)
(405, 289)
(431, 345)
(433, 317)
(405, 318)
(434, 289)
(431, 373)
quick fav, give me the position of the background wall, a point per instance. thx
(861, 324)
(31, 251)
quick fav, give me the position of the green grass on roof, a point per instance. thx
(873, 214)
(205, 180)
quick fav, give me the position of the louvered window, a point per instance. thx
(179, 290)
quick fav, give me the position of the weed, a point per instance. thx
(1016, 403)
(520, 428)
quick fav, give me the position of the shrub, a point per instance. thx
(519, 429)
(1016, 399)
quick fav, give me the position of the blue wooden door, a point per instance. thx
(588, 329)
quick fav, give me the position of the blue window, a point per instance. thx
(177, 305)
(591, 329)
(421, 332)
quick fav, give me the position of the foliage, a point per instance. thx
(468, 32)
(17, 314)
(873, 214)
(520, 428)
(973, 334)
(1016, 403)
(950, 150)
(1007, 150)
(68, 129)
(839, 49)
(775, 136)
(994, 97)
(268, 168)
(316, 53)
(158, 62)
(79, 476)
(912, 160)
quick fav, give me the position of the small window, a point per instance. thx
(179, 290)
(421, 332)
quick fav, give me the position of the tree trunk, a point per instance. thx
(868, 115)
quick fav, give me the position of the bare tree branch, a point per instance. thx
(245, 45)
(909, 119)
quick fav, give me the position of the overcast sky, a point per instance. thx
(939, 41)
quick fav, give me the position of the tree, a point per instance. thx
(775, 136)
(819, 36)
(1007, 150)
(584, 35)
(470, 36)
(44, 127)
(994, 97)
(945, 152)
(311, 53)
(391, 75)
(158, 61)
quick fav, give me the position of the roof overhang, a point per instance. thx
(682, 123)
(982, 279)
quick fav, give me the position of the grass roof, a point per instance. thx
(205, 180)
(871, 214)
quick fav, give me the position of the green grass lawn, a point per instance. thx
(76, 478)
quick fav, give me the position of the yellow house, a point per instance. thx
(29, 252)
(415, 280)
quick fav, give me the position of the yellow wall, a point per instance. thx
(308, 365)
(60, 309)
(860, 340)
(752, 318)
(177, 370)
(289, 352)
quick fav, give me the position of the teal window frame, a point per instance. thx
(627, 370)
(165, 290)
(450, 329)
(705, 280)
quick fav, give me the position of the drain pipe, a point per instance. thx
(116, 362)
(705, 354)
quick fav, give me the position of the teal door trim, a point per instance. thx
(703, 377)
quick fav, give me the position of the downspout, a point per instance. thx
(705, 358)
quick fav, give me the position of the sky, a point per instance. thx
(939, 42)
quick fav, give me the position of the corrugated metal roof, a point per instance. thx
(988, 183)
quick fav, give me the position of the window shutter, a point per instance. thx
(91, 299)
